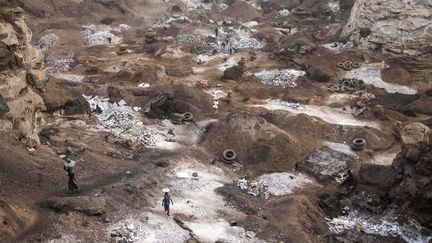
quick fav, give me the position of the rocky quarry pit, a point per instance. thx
(267, 120)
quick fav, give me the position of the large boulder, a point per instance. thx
(326, 164)
(415, 138)
(398, 27)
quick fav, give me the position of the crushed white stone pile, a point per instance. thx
(189, 39)
(383, 224)
(99, 37)
(46, 41)
(59, 65)
(277, 184)
(284, 78)
(122, 121)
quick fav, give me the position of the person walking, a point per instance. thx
(69, 168)
(166, 201)
(215, 106)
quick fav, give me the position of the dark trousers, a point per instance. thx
(167, 209)
(72, 184)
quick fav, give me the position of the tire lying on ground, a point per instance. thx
(355, 65)
(340, 64)
(228, 156)
(358, 144)
(188, 116)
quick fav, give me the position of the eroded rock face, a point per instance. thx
(415, 138)
(398, 27)
(22, 74)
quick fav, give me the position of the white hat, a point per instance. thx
(165, 190)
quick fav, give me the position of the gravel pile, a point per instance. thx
(45, 42)
(122, 28)
(277, 184)
(60, 65)
(284, 78)
(189, 39)
(242, 42)
(99, 37)
(122, 121)
(197, 4)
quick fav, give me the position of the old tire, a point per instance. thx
(229, 155)
(340, 64)
(358, 144)
(355, 65)
(188, 116)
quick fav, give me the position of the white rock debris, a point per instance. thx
(196, 4)
(284, 78)
(277, 184)
(122, 28)
(122, 121)
(101, 37)
(283, 13)
(62, 64)
(216, 93)
(47, 41)
(384, 225)
(152, 228)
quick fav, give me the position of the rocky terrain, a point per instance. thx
(268, 121)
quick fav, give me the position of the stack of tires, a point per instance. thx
(228, 156)
(358, 144)
(348, 65)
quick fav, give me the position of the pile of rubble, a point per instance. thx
(103, 37)
(187, 39)
(284, 78)
(277, 184)
(244, 42)
(60, 65)
(122, 121)
(385, 225)
(46, 41)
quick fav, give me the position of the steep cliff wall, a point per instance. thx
(22, 76)
(400, 28)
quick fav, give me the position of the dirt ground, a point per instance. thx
(114, 109)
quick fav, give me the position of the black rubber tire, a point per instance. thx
(348, 63)
(345, 88)
(347, 67)
(188, 116)
(333, 89)
(346, 83)
(358, 144)
(229, 155)
(340, 64)
(355, 65)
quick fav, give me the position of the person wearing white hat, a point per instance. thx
(166, 201)
(215, 106)
(68, 167)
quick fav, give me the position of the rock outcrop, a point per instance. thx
(400, 28)
(22, 76)
(414, 164)
(415, 138)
